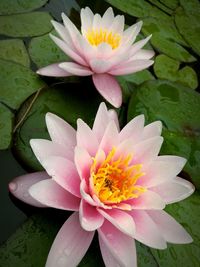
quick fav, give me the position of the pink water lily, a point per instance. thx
(103, 49)
(114, 181)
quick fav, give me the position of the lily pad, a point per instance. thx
(70, 101)
(187, 213)
(128, 82)
(17, 83)
(138, 8)
(190, 33)
(171, 48)
(191, 7)
(25, 25)
(8, 7)
(160, 5)
(168, 68)
(6, 123)
(14, 50)
(170, 3)
(178, 109)
(43, 51)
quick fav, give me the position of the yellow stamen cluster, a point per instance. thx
(98, 36)
(115, 179)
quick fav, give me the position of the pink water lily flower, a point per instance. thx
(103, 49)
(115, 183)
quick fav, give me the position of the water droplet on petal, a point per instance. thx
(13, 186)
(61, 261)
(67, 251)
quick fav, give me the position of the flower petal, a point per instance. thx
(20, 185)
(63, 33)
(60, 131)
(147, 231)
(101, 121)
(147, 201)
(76, 69)
(130, 67)
(152, 129)
(49, 193)
(64, 172)
(100, 65)
(83, 162)
(53, 70)
(86, 19)
(85, 193)
(133, 129)
(143, 54)
(118, 25)
(90, 218)
(109, 88)
(147, 150)
(67, 50)
(138, 45)
(172, 231)
(45, 148)
(119, 245)
(107, 18)
(120, 219)
(174, 191)
(162, 171)
(86, 138)
(130, 34)
(110, 138)
(113, 116)
(70, 245)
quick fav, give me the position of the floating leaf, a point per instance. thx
(43, 51)
(138, 8)
(187, 213)
(161, 6)
(170, 3)
(25, 25)
(6, 122)
(178, 109)
(14, 50)
(17, 83)
(70, 101)
(128, 82)
(8, 7)
(188, 26)
(168, 68)
(171, 49)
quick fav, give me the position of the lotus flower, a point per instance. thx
(115, 183)
(103, 49)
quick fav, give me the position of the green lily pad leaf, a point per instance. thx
(187, 213)
(144, 256)
(25, 25)
(14, 50)
(190, 33)
(170, 3)
(191, 7)
(43, 51)
(17, 83)
(138, 8)
(171, 48)
(168, 68)
(31, 243)
(70, 101)
(161, 6)
(8, 7)
(6, 123)
(178, 109)
(128, 82)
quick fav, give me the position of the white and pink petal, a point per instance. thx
(70, 245)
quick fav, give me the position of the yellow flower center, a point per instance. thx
(98, 36)
(114, 180)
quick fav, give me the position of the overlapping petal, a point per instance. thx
(114, 180)
(102, 49)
